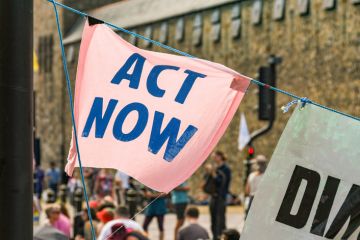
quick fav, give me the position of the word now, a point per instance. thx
(349, 209)
(157, 137)
(136, 61)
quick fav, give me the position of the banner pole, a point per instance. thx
(16, 119)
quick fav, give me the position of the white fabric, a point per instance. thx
(244, 135)
(316, 147)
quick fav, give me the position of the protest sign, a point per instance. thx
(311, 189)
(154, 116)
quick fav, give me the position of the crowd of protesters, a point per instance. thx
(115, 200)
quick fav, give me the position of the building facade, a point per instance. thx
(318, 40)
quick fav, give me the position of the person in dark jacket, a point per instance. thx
(221, 177)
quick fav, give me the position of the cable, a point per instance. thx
(191, 56)
(72, 116)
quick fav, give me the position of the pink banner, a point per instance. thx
(154, 116)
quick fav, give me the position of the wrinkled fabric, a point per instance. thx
(202, 114)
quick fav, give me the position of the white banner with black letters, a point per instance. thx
(311, 189)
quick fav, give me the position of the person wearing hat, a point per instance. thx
(121, 217)
(105, 215)
(254, 179)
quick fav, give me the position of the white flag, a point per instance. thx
(311, 188)
(244, 135)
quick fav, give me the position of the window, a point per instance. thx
(148, 34)
(303, 7)
(216, 25)
(279, 10)
(236, 21)
(256, 12)
(197, 30)
(133, 39)
(180, 30)
(45, 49)
(329, 4)
(163, 32)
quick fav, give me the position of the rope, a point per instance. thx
(191, 56)
(72, 117)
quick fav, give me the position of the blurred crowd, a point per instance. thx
(115, 200)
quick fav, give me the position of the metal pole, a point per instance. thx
(16, 119)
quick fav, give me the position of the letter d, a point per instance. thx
(300, 219)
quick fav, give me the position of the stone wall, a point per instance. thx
(52, 111)
(48, 85)
(321, 60)
(82, 5)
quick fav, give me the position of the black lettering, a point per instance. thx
(349, 209)
(299, 220)
(324, 207)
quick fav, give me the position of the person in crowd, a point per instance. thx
(105, 215)
(104, 183)
(74, 183)
(94, 204)
(157, 209)
(87, 225)
(39, 177)
(64, 210)
(120, 231)
(180, 199)
(58, 220)
(36, 210)
(49, 196)
(121, 186)
(121, 217)
(108, 200)
(89, 179)
(193, 231)
(218, 180)
(53, 178)
(254, 179)
(52, 214)
(230, 234)
(135, 235)
(104, 203)
(133, 196)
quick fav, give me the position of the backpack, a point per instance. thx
(210, 185)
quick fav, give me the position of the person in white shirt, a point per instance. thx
(121, 186)
(254, 179)
(123, 179)
(121, 216)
